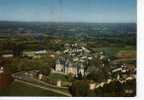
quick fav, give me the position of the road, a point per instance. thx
(43, 87)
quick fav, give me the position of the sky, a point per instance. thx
(68, 10)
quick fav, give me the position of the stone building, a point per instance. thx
(73, 60)
(66, 66)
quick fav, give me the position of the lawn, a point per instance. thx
(57, 77)
(63, 78)
(19, 89)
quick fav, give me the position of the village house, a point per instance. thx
(59, 83)
(1, 70)
(92, 85)
(34, 54)
(7, 55)
(124, 71)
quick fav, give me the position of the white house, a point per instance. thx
(41, 52)
(1, 70)
(34, 54)
(59, 66)
(59, 83)
(7, 55)
(40, 76)
(92, 86)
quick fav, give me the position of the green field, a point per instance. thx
(57, 77)
(19, 89)
(63, 78)
(115, 50)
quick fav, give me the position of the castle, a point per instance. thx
(67, 66)
(73, 60)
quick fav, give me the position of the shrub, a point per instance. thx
(79, 88)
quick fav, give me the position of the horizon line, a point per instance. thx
(61, 21)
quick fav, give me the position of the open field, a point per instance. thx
(115, 50)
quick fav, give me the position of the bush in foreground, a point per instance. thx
(79, 88)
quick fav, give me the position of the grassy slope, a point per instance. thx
(19, 89)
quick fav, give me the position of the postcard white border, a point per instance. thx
(140, 67)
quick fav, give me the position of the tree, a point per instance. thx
(101, 69)
(18, 49)
(115, 88)
(69, 77)
(45, 71)
(79, 88)
(96, 76)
